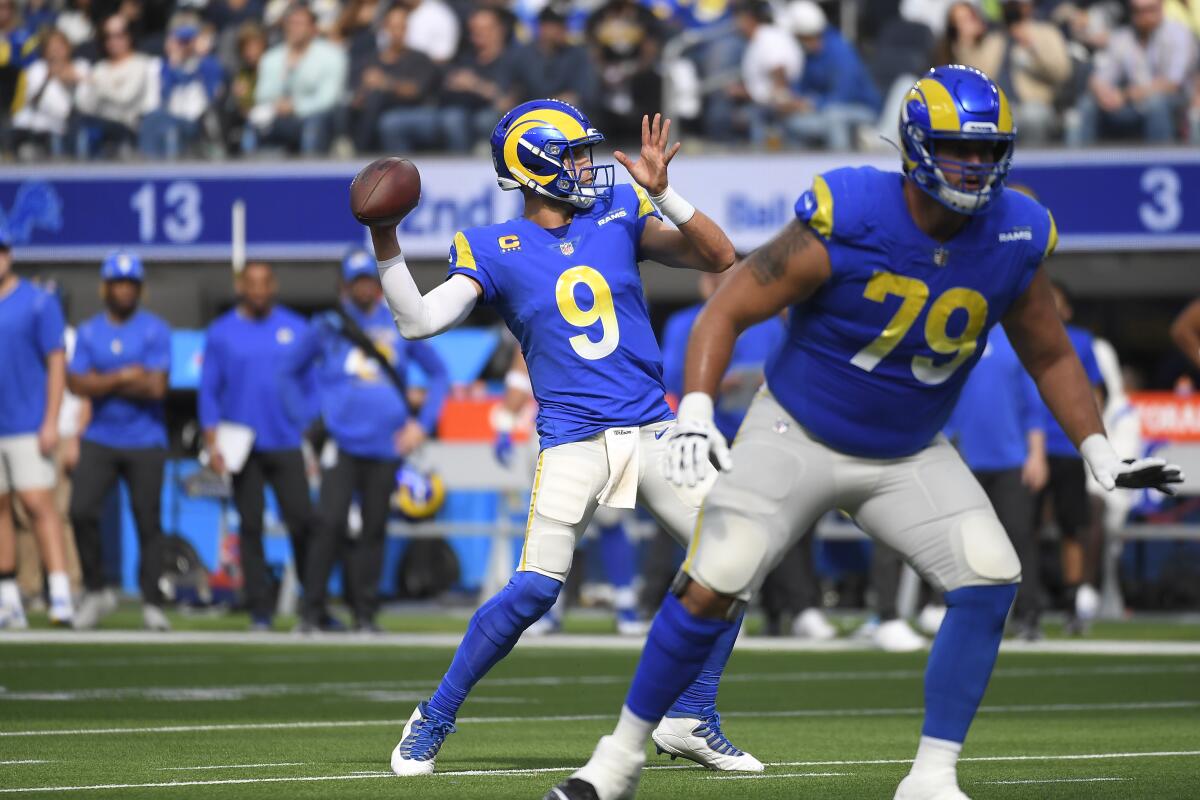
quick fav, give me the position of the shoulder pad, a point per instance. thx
(836, 206)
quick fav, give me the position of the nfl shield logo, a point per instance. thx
(567, 248)
(940, 256)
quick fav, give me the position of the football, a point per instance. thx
(385, 191)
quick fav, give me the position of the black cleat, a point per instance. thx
(572, 789)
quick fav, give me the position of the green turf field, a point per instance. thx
(300, 720)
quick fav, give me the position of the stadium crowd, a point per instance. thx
(217, 78)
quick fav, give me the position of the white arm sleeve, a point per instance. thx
(417, 316)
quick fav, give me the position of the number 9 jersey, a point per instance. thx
(874, 361)
(575, 303)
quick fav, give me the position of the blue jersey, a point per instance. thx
(751, 352)
(103, 346)
(1057, 441)
(997, 409)
(361, 406)
(242, 378)
(875, 359)
(31, 328)
(576, 306)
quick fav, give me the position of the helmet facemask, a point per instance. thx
(959, 195)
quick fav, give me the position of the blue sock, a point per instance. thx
(616, 551)
(961, 660)
(493, 631)
(676, 650)
(699, 699)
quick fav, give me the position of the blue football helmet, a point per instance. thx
(533, 146)
(957, 103)
(120, 265)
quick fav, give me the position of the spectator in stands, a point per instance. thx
(933, 14)
(999, 430)
(396, 99)
(192, 82)
(121, 362)
(626, 39)
(835, 93)
(433, 29)
(553, 67)
(227, 15)
(358, 29)
(241, 383)
(300, 82)
(251, 44)
(475, 92)
(963, 32)
(114, 96)
(76, 24)
(1028, 58)
(18, 49)
(771, 62)
(31, 350)
(325, 14)
(366, 411)
(41, 122)
(1141, 81)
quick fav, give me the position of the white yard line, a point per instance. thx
(22, 761)
(234, 766)
(802, 713)
(768, 776)
(1051, 780)
(559, 642)
(237, 691)
(542, 770)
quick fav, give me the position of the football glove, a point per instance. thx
(694, 441)
(1113, 472)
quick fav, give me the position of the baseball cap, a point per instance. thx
(358, 263)
(122, 266)
(806, 18)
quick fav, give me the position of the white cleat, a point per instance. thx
(153, 618)
(929, 621)
(632, 627)
(419, 744)
(94, 607)
(895, 636)
(12, 618)
(702, 741)
(940, 785)
(62, 613)
(1087, 602)
(612, 773)
(813, 624)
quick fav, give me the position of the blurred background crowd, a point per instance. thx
(225, 78)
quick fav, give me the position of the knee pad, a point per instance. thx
(729, 553)
(987, 552)
(521, 603)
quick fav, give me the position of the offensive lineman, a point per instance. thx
(894, 280)
(596, 373)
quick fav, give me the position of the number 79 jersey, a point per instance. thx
(875, 360)
(577, 307)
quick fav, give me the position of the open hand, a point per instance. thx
(650, 172)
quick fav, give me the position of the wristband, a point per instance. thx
(515, 379)
(394, 261)
(502, 420)
(673, 206)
